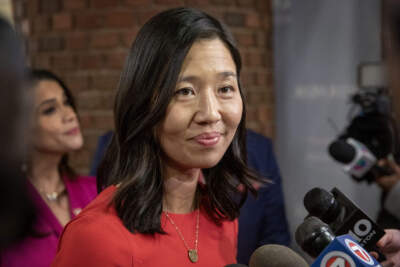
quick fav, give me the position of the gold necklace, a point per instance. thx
(192, 253)
(54, 196)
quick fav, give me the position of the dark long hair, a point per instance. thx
(17, 211)
(37, 75)
(146, 87)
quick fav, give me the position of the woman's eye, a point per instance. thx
(226, 89)
(184, 92)
(49, 110)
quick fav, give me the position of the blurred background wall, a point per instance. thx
(319, 46)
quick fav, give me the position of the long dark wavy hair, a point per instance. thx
(38, 75)
(134, 156)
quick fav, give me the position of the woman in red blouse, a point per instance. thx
(172, 172)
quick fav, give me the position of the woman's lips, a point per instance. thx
(208, 139)
(73, 131)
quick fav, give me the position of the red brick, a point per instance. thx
(88, 101)
(141, 4)
(263, 38)
(91, 141)
(89, 21)
(103, 121)
(104, 40)
(105, 82)
(251, 113)
(77, 41)
(115, 60)
(33, 8)
(198, 3)
(245, 3)
(52, 43)
(248, 78)
(75, 4)
(81, 159)
(62, 21)
(49, 6)
(33, 46)
(224, 3)
(264, 113)
(120, 19)
(253, 20)
(256, 97)
(267, 129)
(245, 39)
(169, 2)
(255, 59)
(63, 62)
(93, 100)
(42, 61)
(103, 3)
(77, 82)
(264, 79)
(146, 15)
(234, 19)
(90, 61)
(128, 37)
(41, 24)
(76, 56)
(264, 7)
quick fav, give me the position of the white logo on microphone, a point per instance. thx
(359, 252)
(337, 259)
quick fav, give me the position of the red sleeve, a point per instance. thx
(90, 241)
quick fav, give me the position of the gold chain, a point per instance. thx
(192, 253)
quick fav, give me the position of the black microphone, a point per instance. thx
(318, 240)
(358, 161)
(276, 256)
(355, 156)
(313, 236)
(343, 216)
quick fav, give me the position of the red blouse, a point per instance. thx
(97, 237)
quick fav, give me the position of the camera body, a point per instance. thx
(371, 123)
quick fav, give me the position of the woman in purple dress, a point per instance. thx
(57, 193)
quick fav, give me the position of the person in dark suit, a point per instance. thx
(262, 220)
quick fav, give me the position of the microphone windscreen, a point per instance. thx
(341, 151)
(322, 204)
(276, 256)
(313, 236)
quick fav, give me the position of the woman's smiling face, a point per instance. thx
(206, 109)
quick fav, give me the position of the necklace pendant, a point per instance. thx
(52, 196)
(193, 257)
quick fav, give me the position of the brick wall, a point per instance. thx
(86, 41)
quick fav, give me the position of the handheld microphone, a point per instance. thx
(317, 239)
(276, 256)
(358, 160)
(355, 156)
(343, 216)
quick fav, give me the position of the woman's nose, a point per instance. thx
(208, 108)
(69, 114)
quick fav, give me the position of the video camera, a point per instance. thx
(372, 132)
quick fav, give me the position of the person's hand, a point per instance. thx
(389, 245)
(387, 182)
